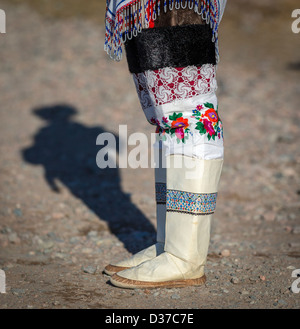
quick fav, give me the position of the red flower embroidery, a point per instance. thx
(180, 123)
(212, 115)
(179, 132)
(208, 127)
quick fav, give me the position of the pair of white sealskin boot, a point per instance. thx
(183, 229)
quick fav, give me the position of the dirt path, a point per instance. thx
(62, 219)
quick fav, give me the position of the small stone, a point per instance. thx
(17, 291)
(60, 255)
(225, 253)
(87, 250)
(291, 267)
(175, 296)
(156, 294)
(280, 217)
(225, 262)
(262, 277)
(79, 210)
(92, 234)
(269, 216)
(289, 229)
(9, 265)
(289, 172)
(47, 217)
(47, 245)
(258, 217)
(58, 215)
(54, 237)
(37, 240)
(13, 238)
(244, 292)
(89, 269)
(234, 280)
(74, 240)
(282, 302)
(6, 230)
(18, 212)
(225, 291)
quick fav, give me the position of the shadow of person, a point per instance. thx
(67, 149)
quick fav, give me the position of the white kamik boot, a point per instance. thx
(158, 247)
(191, 201)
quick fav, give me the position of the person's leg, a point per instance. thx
(191, 201)
(175, 75)
(192, 139)
(174, 71)
(147, 96)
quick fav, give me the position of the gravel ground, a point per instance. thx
(62, 219)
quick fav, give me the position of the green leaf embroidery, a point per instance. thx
(200, 127)
(172, 131)
(175, 116)
(209, 105)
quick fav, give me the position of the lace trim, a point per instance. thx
(165, 85)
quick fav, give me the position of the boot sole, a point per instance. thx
(112, 269)
(133, 284)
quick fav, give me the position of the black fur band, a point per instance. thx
(174, 46)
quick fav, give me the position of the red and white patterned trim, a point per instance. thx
(168, 84)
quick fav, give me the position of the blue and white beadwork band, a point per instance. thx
(191, 203)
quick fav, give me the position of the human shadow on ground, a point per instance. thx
(67, 149)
